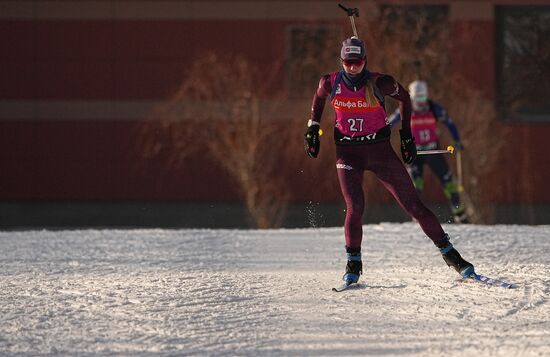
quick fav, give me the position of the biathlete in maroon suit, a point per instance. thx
(362, 137)
(426, 114)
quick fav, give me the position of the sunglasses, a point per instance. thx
(353, 62)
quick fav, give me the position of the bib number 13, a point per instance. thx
(425, 135)
(355, 124)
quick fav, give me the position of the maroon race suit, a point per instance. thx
(362, 143)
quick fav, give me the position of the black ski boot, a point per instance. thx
(453, 259)
(354, 268)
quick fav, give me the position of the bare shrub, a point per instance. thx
(222, 109)
(482, 135)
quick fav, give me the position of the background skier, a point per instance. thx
(426, 114)
(362, 134)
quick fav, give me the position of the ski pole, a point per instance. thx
(449, 150)
(459, 171)
(351, 13)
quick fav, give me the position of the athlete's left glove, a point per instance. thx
(408, 147)
(311, 142)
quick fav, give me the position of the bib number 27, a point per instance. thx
(355, 124)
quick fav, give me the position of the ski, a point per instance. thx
(490, 281)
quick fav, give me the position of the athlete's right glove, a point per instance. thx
(311, 142)
(408, 147)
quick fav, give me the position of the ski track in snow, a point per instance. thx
(268, 292)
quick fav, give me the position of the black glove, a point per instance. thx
(312, 143)
(408, 147)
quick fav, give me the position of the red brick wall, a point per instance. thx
(107, 60)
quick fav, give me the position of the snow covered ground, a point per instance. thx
(268, 292)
